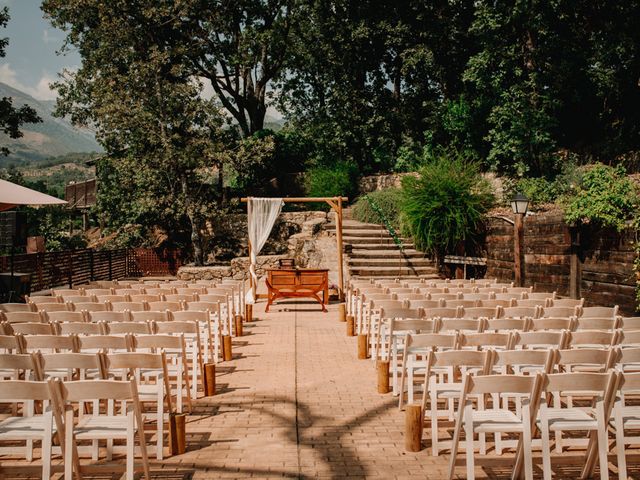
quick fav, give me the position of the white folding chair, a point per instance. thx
(112, 425)
(562, 417)
(474, 419)
(30, 426)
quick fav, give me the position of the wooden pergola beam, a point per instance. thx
(305, 199)
(336, 204)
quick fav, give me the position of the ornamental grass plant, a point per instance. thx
(445, 204)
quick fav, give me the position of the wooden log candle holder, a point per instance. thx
(248, 312)
(383, 376)
(177, 433)
(238, 325)
(342, 312)
(227, 353)
(209, 379)
(363, 347)
(413, 428)
(351, 327)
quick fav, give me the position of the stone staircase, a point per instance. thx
(371, 251)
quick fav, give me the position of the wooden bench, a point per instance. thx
(297, 283)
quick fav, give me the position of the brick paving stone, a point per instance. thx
(296, 403)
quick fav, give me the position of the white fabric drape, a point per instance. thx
(262, 214)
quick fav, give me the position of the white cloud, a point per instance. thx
(40, 91)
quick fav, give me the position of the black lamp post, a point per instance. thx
(519, 205)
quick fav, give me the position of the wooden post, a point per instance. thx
(227, 352)
(342, 312)
(248, 312)
(339, 242)
(575, 272)
(518, 236)
(251, 286)
(177, 433)
(351, 328)
(238, 325)
(209, 379)
(413, 428)
(363, 347)
(383, 376)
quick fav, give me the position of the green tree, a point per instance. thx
(369, 76)
(551, 75)
(164, 143)
(237, 47)
(12, 118)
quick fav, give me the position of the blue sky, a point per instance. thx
(31, 62)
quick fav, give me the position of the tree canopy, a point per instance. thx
(180, 90)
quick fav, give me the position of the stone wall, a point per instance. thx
(226, 237)
(297, 235)
(373, 183)
(603, 258)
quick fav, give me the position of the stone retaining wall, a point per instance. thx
(297, 235)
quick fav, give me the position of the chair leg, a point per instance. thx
(526, 442)
(433, 398)
(482, 437)
(468, 431)
(603, 450)
(69, 446)
(394, 366)
(160, 428)
(46, 455)
(622, 460)
(410, 385)
(130, 447)
(403, 377)
(29, 450)
(546, 451)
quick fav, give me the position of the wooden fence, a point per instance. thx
(578, 262)
(76, 267)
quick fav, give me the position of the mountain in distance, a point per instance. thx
(40, 141)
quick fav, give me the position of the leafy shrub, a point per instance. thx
(332, 181)
(541, 190)
(605, 197)
(389, 202)
(445, 204)
(538, 189)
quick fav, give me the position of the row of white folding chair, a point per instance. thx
(503, 340)
(610, 392)
(221, 313)
(532, 393)
(501, 319)
(59, 418)
(443, 363)
(120, 336)
(210, 327)
(371, 302)
(159, 374)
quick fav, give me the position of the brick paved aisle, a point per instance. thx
(296, 403)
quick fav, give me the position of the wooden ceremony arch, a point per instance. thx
(336, 205)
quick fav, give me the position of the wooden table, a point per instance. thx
(297, 283)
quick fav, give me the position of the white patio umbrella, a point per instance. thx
(12, 195)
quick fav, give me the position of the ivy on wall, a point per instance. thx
(605, 196)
